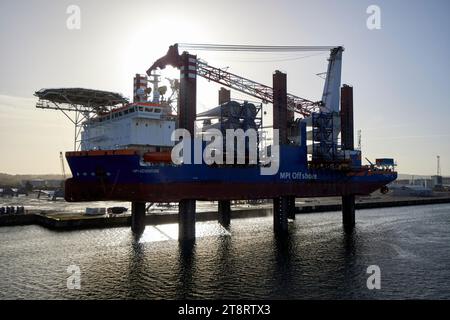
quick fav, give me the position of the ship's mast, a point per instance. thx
(155, 82)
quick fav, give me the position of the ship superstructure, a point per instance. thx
(143, 124)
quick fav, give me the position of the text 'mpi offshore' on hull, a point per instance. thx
(122, 176)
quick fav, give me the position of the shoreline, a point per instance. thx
(79, 221)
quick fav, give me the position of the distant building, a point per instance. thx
(36, 183)
(424, 182)
(53, 183)
(436, 181)
(410, 190)
(43, 184)
(446, 181)
(401, 182)
(13, 192)
(7, 192)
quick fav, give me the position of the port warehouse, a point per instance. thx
(336, 165)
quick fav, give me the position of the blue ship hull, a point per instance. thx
(127, 177)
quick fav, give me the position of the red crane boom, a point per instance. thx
(252, 88)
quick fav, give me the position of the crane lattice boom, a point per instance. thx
(265, 93)
(253, 88)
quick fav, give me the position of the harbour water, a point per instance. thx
(411, 245)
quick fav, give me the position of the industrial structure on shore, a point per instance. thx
(123, 151)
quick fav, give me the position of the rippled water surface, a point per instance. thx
(411, 245)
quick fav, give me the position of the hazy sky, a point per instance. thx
(400, 73)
